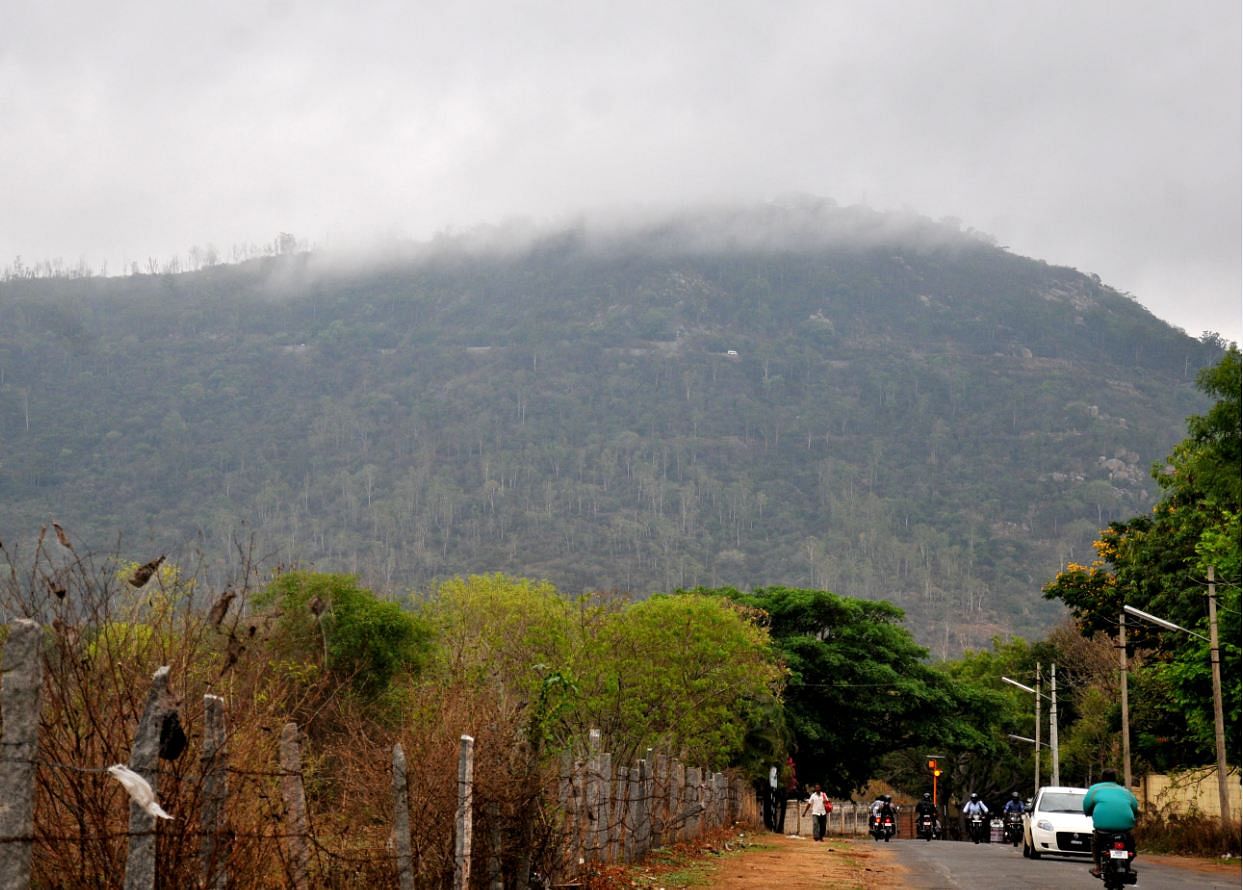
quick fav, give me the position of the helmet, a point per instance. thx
(1014, 796)
(974, 796)
(888, 799)
(927, 796)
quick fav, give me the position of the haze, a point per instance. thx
(1104, 136)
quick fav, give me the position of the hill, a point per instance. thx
(797, 394)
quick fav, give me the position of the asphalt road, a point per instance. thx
(948, 865)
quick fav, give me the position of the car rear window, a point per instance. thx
(1061, 802)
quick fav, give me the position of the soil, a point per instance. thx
(1217, 867)
(763, 861)
(801, 862)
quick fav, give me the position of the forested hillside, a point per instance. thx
(806, 395)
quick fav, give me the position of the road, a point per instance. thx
(948, 865)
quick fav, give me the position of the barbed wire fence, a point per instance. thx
(62, 824)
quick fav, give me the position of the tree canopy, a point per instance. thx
(859, 686)
(1160, 564)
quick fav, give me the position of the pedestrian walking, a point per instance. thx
(819, 805)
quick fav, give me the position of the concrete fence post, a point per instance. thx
(401, 820)
(19, 704)
(643, 810)
(604, 812)
(465, 805)
(144, 760)
(621, 816)
(663, 800)
(634, 809)
(677, 801)
(694, 803)
(294, 795)
(592, 797)
(214, 842)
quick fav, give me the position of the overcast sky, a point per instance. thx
(1100, 135)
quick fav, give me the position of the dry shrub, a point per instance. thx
(1185, 834)
(104, 640)
(515, 828)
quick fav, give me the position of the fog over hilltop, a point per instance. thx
(1095, 136)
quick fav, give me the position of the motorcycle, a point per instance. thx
(926, 827)
(975, 827)
(1116, 855)
(882, 827)
(1014, 828)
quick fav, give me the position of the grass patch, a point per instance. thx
(682, 865)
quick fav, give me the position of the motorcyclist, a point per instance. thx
(926, 807)
(1012, 812)
(888, 810)
(1113, 809)
(974, 807)
(874, 810)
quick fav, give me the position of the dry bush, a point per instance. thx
(1185, 834)
(515, 827)
(104, 640)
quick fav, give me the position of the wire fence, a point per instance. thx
(238, 822)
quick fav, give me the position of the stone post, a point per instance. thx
(296, 844)
(465, 805)
(401, 820)
(19, 701)
(214, 842)
(144, 759)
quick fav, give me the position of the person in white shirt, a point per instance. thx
(819, 805)
(974, 807)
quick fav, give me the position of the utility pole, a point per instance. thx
(1057, 775)
(1037, 791)
(1219, 723)
(1126, 711)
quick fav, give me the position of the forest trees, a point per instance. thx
(691, 675)
(859, 687)
(1160, 563)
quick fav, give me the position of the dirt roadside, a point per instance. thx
(762, 861)
(1215, 867)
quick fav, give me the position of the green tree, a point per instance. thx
(691, 674)
(859, 687)
(359, 639)
(502, 632)
(1003, 764)
(1160, 564)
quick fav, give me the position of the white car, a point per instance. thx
(1056, 824)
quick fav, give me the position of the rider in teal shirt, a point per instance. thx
(1112, 808)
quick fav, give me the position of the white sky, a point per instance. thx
(1100, 135)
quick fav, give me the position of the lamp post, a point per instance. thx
(1052, 719)
(1126, 710)
(1219, 723)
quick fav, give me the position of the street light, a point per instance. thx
(1219, 730)
(1057, 774)
(1161, 622)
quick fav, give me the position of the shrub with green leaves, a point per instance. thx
(362, 640)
